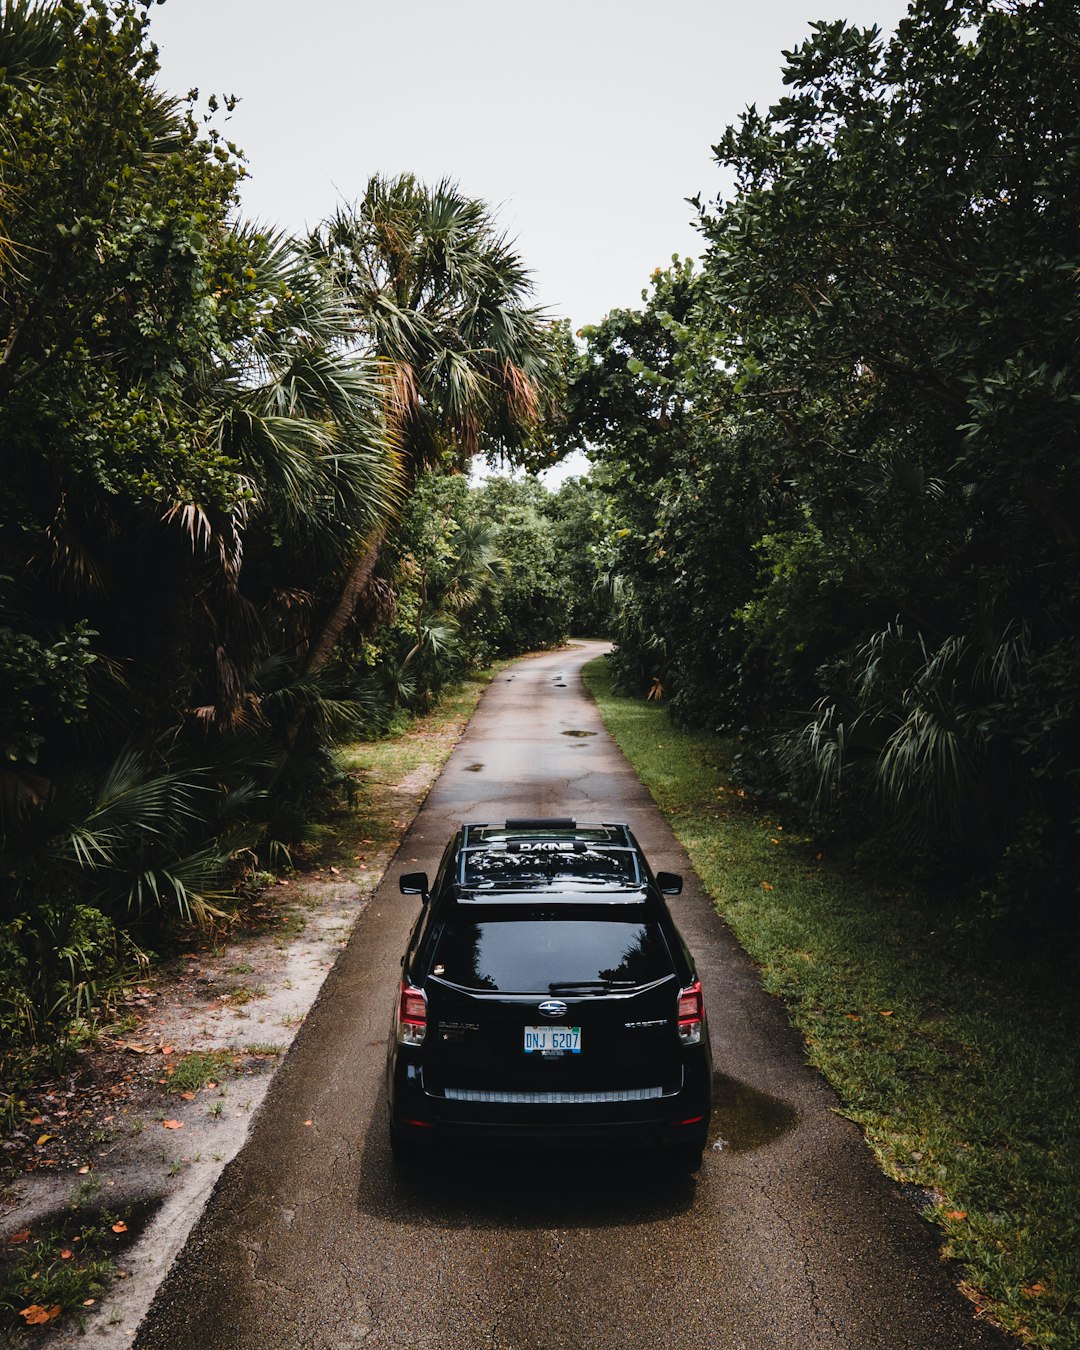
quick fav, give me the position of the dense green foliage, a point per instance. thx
(209, 433)
(844, 454)
(471, 575)
(578, 513)
(530, 608)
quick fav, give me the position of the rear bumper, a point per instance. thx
(679, 1117)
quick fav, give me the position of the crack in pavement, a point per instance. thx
(817, 1303)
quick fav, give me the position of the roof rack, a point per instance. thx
(541, 823)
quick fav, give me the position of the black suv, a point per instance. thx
(547, 995)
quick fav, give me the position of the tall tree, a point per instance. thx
(440, 303)
(876, 521)
(897, 273)
(193, 449)
(115, 210)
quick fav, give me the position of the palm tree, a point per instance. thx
(299, 412)
(440, 303)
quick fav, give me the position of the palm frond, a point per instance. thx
(31, 39)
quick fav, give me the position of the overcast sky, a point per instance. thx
(584, 123)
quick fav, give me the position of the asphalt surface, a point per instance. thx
(788, 1237)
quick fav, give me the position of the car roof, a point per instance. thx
(558, 857)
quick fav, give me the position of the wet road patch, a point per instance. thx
(744, 1119)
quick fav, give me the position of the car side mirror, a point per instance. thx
(414, 883)
(669, 882)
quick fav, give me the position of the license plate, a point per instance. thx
(548, 1040)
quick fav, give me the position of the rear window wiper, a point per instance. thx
(592, 984)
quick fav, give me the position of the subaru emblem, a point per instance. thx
(553, 1008)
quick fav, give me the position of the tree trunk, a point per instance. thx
(360, 574)
(345, 605)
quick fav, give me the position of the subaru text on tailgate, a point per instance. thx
(547, 996)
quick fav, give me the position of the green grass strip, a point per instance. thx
(961, 1071)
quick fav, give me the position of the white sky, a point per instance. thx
(584, 123)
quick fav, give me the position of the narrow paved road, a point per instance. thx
(789, 1236)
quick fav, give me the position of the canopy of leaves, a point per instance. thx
(848, 470)
(441, 302)
(474, 574)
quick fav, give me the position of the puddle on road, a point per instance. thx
(473, 768)
(745, 1119)
(579, 733)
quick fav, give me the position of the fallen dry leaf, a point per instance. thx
(887, 1012)
(173, 1124)
(83, 1171)
(37, 1120)
(137, 1049)
(766, 886)
(1034, 1290)
(309, 1122)
(853, 1017)
(166, 1049)
(44, 1139)
(956, 1213)
(187, 1096)
(119, 1226)
(24, 1236)
(66, 1254)
(36, 1315)
(89, 1302)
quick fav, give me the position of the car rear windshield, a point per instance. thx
(550, 956)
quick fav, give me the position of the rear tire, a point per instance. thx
(407, 1150)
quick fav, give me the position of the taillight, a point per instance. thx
(412, 1015)
(691, 1013)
